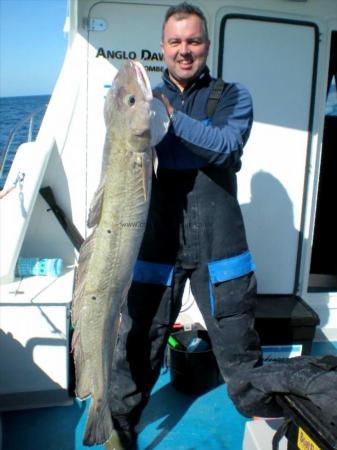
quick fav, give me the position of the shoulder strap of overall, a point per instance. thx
(214, 97)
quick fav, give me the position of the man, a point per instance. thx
(195, 228)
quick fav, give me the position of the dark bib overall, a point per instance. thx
(195, 230)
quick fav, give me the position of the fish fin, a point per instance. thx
(84, 257)
(159, 121)
(126, 289)
(146, 174)
(82, 368)
(99, 426)
(83, 382)
(96, 205)
(82, 371)
(97, 201)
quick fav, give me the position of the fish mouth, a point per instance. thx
(141, 133)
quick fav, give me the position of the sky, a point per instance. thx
(32, 46)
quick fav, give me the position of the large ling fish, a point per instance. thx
(118, 216)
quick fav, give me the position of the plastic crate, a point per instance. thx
(285, 319)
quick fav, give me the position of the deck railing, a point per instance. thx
(12, 144)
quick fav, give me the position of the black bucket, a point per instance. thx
(195, 371)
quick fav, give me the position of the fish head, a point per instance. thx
(128, 106)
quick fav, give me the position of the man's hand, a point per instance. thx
(169, 108)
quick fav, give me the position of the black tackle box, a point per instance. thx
(284, 320)
(308, 427)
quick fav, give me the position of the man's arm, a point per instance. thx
(222, 142)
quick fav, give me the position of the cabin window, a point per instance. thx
(323, 276)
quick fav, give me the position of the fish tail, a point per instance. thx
(99, 425)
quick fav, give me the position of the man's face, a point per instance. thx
(185, 49)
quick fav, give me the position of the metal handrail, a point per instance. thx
(29, 118)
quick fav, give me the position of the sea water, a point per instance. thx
(15, 114)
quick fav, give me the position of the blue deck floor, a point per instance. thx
(171, 421)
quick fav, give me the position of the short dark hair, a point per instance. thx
(181, 11)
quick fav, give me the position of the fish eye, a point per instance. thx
(131, 100)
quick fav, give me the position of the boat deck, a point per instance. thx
(172, 420)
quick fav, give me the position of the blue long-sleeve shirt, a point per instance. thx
(194, 215)
(193, 141)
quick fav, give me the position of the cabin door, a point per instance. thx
(260, 52)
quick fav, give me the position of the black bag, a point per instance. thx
(254, 391)
(303, 390)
